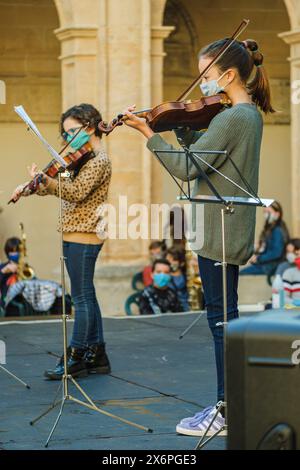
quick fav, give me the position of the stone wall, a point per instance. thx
(30, 67)
(54, 54)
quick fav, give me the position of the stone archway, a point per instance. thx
(293, 9)
(30, 68)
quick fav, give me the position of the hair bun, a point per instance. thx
(251, 45)
(253, 49)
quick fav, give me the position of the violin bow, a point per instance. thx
(244, 24)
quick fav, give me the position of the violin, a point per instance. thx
(175, 114)
(53, 168)
(194, 115)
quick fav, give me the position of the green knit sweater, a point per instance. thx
(239, 131)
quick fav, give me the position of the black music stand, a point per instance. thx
(227, 203)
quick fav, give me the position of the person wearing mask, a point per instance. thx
(291, 280)
(272, 244)
(8, 270)
(156, 251)
(159, 297)
(291, 249)
(237, 129)
(176, 259)
(83, 194)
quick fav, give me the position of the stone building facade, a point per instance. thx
(112, 53)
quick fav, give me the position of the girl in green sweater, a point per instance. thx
(238, 130)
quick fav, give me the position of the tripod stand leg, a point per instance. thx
(94, 407)
(56, 421)
(51, 407)
(201, 444)
(191, 326)
(14, 376)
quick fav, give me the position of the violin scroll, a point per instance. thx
(106, 128)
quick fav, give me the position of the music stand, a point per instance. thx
(227, 208)
(66, 378)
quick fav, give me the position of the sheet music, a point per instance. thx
(24, 116)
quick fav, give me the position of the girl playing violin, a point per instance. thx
(83, 195)
(238, 130)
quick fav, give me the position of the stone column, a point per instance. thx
(124, 71)
(158, 35)
(78, 34)
(293, 39)
(79, 64)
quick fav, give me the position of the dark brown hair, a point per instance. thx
(157, 244)
(161, 261)
(244, 56)
(178, 255)
(295, 242)
(12, 245)
(86, 114)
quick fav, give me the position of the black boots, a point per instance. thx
(76, 365)
(96, 360)
(81, 362)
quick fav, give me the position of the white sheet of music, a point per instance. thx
(24, 116)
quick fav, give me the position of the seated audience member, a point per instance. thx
(176, 259)
(291, 253)
(272, 243)
(159, 297)
(35, 295)
(156, 251)
(291, 281)
(8, 270)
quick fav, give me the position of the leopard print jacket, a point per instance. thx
(84, 196)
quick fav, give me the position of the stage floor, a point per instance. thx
(156, 380)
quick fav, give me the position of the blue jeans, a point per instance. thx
(80, 262)
(212, 282)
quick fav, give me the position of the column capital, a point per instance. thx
(290, 37)
(161, 32)
(158, 34)
(71, 32)
(77, 41)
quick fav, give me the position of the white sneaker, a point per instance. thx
(198, 427)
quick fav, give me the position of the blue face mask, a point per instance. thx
(212, 87)
(82, 138)
(14, 257)
(161, 279)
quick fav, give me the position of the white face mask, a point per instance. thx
(212, 87)
(291, 257)
(270, 218)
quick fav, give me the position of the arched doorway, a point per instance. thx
(30, 67)
(199, 22)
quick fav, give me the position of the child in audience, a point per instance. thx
(292, 247)
(156, 251)
(291, 281)
(176, 259)
(8, 270)
(159, 297)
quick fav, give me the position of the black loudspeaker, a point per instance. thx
(263, 381)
